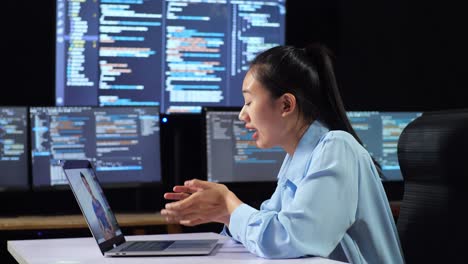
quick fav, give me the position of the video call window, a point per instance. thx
(232, 154)
(176, 54)
(14, 159)
(379, 132)
(94, 205)
(123, 143)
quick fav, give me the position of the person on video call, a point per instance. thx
(329, 199)
(99, 211)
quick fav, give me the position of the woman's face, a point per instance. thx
(261, 113)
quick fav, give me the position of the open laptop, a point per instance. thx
(103, 225)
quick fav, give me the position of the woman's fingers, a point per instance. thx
(180, 193)
(172, 216)
(185, 189)
(198, 184)
(175, 213)
(194, 215)
(176, 196)
(172, 219)
(192, 186)
(178, 216)
(184, 204)
(191, 219)
(193, 222)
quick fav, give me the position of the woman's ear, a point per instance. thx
(288, 104)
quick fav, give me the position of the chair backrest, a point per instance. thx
(433, 157)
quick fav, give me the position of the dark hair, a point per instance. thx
(83, 177)
(308, 74)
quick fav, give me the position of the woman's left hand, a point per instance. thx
(200, 202)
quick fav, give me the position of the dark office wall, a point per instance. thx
(28, 33)
(390, 55)
(401, 55)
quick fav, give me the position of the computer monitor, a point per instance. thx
(379, 131)
(14, 157)
(178, 54)
(122, 143)
(232, 156)
(231, 153)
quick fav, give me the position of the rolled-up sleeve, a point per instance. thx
(317, 205)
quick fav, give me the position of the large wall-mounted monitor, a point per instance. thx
(379, 132)
(176, 54)
(231, 153)
(123, 143)
(14, 158)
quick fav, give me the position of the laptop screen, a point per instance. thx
(93, 203)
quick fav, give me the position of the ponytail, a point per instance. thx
(336, 117)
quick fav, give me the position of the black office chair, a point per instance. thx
(433, 157)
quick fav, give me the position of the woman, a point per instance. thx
(99, 211)
(329, 200)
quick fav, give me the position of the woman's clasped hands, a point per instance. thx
(198, 202)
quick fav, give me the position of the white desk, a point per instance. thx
(85, 250)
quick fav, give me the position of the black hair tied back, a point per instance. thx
(333, 114)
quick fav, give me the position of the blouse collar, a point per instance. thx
(295, 167)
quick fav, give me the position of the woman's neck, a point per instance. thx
(295, 138)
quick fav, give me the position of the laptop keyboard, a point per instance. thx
(148, 246)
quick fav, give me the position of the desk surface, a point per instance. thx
(85, 250)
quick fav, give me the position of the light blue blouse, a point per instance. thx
(329, 202)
